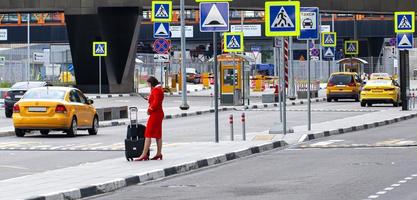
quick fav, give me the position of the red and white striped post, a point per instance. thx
(286, 60)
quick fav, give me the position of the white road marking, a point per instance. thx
(325, 143)
(402, 181)
(395, 185)
(381, 192)
(13, 167)
(373, 197)
(409, 178)
(389, 188)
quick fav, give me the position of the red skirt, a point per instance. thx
(154, 125)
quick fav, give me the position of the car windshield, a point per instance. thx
(44, 93)
(341, 79)
(379, 83)
(27, 85)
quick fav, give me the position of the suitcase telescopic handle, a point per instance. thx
(131, 111)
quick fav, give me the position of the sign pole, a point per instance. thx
(291, 86)
(284, 96)
(184, 105)
(277, 62)
(234, 78)
(404, 79)
(99, 74)
(216, 90)
(308, 86)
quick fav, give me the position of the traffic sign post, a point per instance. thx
(351, 47)
(161, 46)
(404, 26)
(161, 11)
(161, 30)
(328, 39)
(99, 50)
(214, 17)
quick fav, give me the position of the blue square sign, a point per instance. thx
(405, 41)
(214, 17)
(404, 22)
(161, 30)
(309, 18)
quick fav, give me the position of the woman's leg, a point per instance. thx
(159, 145)
(146, 148)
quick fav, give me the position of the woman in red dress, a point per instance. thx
(156, 115)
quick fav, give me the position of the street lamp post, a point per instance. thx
(184, 105)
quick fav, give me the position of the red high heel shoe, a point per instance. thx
(142, 159)
(157, 157)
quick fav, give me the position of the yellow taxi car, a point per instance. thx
(343, 85)
(380, 91)
(54, 108)
(380, 76)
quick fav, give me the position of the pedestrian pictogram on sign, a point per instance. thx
(233, 42)
(214, 17)
(328, 39)
(100, 49)
(352, 47)
(405, 41)
(404, 22)
(161, 30)
(161, 46)
(282, 18)
(161, 11)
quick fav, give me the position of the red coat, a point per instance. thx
(156, 114)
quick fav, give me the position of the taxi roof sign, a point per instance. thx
(233, 42)
(100, 49)
(351, 47)
(282, 18)
(328, 39)
(213, 1)
(404, 22)
(161, 11)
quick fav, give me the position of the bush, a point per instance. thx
(5, 84)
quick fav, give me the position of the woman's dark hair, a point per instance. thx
(153, 81)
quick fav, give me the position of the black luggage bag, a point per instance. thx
(135, 138)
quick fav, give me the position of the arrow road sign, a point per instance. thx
(405, 40)
(233, 42)
(282, 18)
(161, 11)
(309, 18)
(328, 39)
(161, 30)
(404, 22)
(352, 47)
(214, 17)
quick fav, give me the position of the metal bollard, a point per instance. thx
(211, 100)
(414, 100)
(232, 136)
(243, 127)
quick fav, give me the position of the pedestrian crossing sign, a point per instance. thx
(161, 11)
(404, 22)
(100, 49)
(328, 39)
(351, 47)
(233, 42)
(282, 18)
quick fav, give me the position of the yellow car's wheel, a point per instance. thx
(72, 131)
(44, 132)
(94, 128)
(19, 132)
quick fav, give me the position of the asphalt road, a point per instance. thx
(57, 151)
(327, 169)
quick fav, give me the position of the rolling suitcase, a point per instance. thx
(135, 139)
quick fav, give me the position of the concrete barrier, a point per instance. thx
(112, 113)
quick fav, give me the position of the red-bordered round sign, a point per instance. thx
(161, 46)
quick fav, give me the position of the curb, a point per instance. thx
(314, 136)
(116, 184)
(302, 102)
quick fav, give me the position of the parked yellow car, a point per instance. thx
(343, 85)
(380, 76)
(54, 108)
(380, 91)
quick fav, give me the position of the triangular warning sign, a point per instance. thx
(329, 40)
(405, 41)
(233, 43)
(161, 12)
(282, 20)
(329, 53)
(404, 23)
(214, 18)
(351, 48)
(161, 30)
